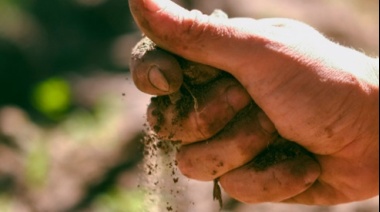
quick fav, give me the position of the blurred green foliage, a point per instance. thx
(52, 97)
(5, 203)
(40, 39)
(37, 165)
(43, 43)
(120, 200)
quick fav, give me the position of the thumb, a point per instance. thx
(243, 47)
(271, 60)
(249, 49)
(190, 34)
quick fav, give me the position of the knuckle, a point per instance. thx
(206, 126)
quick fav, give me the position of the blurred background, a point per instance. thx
(71, 120)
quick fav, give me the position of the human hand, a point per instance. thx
(309, 90)
(169, 117)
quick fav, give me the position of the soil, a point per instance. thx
(279, 151)
(184, 103)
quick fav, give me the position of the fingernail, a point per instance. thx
(157, 79)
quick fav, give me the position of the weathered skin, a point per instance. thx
(310, 90)
(146, 55)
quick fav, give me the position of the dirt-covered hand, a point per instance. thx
(217, 113)
(192, 97)
(307, 89)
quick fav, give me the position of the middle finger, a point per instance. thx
(237, 144)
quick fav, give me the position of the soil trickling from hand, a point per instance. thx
(195, 77)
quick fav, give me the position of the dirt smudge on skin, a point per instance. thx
(280, 150)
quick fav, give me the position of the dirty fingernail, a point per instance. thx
(157, 79)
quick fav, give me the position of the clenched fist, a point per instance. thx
(282, 80)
